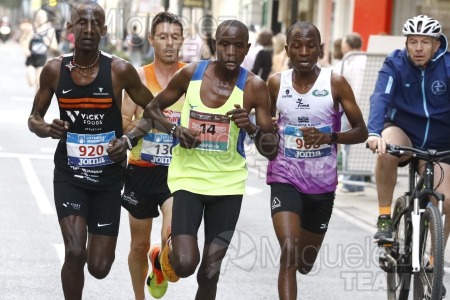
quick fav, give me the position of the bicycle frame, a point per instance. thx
(418, 246)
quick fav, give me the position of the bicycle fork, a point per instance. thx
(415, 220)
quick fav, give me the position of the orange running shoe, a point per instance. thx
(156, 282)
(164, 260)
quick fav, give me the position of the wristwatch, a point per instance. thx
(333, 138)
(132, 138)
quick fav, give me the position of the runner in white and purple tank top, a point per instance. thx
(303, 177)
(311, 170)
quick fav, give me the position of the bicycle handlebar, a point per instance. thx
(428, 155)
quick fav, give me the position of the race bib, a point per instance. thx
(88, 150)
(294, 146)
(214, 130)
(157, 146)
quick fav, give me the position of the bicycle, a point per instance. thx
(418, 243)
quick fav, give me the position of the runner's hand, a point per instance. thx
(240, 117)
(117, 149)
(275, 124)
(58, 129)
(189, 138)
(377, 144)
(313, 136)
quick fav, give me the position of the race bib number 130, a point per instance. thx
(88, 150)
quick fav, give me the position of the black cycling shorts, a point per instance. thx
(314, 210)
(406, 162)
(145, 189)
(100, 208)
(221, 214)
(36, 60)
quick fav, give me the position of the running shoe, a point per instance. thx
(166, 265)
(385, 228)
(156, 283)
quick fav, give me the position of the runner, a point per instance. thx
(89, 160)
(208, 172)
(146, 176)
(303, 177)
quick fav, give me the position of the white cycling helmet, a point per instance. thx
(422, 25)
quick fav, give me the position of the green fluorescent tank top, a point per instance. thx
(217, 166)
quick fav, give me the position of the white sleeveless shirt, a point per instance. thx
(311, 169)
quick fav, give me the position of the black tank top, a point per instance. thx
(94, 119)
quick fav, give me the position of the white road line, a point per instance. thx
(36, 187)
(60, 251)
(25, 155)
(251, 191)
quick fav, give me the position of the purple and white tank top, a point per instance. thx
(310, 169)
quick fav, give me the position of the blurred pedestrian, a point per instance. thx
(37, 41)
(280, 60)
(263, 61)
(135, 45)
(352, 67)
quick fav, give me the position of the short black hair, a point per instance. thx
(165, 17)
(232, 23)
(303, 25)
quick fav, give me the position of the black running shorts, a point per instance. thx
(221, 214)
(314, 210)
(145, 189)
(100, 208)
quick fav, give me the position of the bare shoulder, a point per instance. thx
(50, 71)
(54, 64)
(274, 80)
(120, 66)
(337, 79)
(254, 83)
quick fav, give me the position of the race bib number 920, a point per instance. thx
(88, 150)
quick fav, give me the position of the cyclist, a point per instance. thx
(410, 107)
(145, 181)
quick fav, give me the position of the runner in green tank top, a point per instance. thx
(208, 172)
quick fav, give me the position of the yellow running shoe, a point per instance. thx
(156, 283)
(166, 266)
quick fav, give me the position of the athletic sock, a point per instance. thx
(384, 210)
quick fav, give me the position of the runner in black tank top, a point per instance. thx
(91, 154)
(92, 113)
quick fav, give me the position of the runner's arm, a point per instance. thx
(343, 93)
(48, 82)
(257, 96)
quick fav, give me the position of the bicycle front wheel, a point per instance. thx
(399, 277)
(428, 281)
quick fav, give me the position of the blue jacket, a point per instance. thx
(415, 99)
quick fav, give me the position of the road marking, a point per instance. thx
(36, 187)
(251, 191)
(60, 251)
(25, 155)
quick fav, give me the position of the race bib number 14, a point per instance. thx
(214, 130)
(88, 150)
